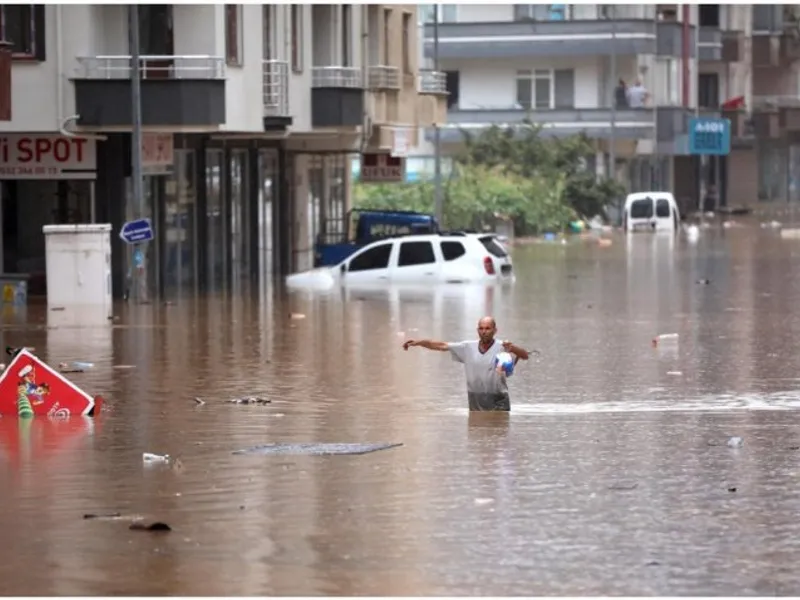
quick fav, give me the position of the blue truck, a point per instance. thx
(361, 227)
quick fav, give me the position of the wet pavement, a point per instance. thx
(611, 475)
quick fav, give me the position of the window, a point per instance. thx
(416, 253)
(709, 15)
(541, 12)
(233, 35)
(452, 250)
(708, 90)
(448, 13)
(662, 208)
(387, 20)
(374, 258)
(297, 37)
(535, 89)
(22, 25)
(452, 84)
(407, 43)
(493, 247)
(347, 19)
(642, 209)
(267, 20)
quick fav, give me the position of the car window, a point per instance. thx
(374, 258)
(642, 209)
(452, 250)
(415, 253)
(493, 247)
(662, 208)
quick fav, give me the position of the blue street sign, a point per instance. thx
(136, 231)
(709, 136)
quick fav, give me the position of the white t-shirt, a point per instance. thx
(480, 369)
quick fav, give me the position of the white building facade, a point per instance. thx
(558, 65)
(250, 114)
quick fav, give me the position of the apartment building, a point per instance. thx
(560, 65)
(250, 114)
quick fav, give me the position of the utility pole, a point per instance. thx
(612, 155)
(137, 259)
(437, 140)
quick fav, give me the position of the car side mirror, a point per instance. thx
(343, 269)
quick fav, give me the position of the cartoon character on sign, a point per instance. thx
(27, 386)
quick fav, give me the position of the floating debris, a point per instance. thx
(115, 515)
(199, 401)
(315, 449)
(154, 459)
(735, 442)
(250, 400)
(149, 526)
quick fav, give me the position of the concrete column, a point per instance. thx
(302, 250)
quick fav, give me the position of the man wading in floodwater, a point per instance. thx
(487, 389)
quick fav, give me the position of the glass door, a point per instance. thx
(179, 257)
(240, 216)
(216, 264)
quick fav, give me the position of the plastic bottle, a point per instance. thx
(665, 338)
(150, 458)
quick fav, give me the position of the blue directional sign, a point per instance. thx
(137, 231)
(709, 136)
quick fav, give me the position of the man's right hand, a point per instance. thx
(408, 344)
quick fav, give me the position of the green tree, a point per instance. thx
(526, 152)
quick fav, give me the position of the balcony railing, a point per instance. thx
(336, 77)
(383, 77)
(775, 102)
(152, 67)
(276, 88)
(432, 82)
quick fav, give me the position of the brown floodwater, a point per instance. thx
(611, 475)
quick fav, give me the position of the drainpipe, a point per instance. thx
(437, 136)
(612, 158)
(366, 121)
(686, 54)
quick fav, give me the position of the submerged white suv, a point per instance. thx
(434, 258)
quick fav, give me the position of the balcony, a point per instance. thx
(775, 35)
(775, 114)
(669, 124)
(432, 98)
(337, 97)
(383, 78)
(176, 91)
(529, 39)
(432, 82)
(709, 44)
(733, 46)
(275, 77)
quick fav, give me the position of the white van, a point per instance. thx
(651, 211)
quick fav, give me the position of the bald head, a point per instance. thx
(487, 328)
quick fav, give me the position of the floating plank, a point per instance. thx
(313, 449)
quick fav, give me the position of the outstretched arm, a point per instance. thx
(516, 350)
(428, 344)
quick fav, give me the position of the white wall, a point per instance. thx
(244, 97)
(494, 13)
(492, 83)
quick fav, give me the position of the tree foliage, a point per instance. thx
(541, 183)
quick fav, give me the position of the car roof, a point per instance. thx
(644, 195)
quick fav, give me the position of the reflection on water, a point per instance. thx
(610, 475)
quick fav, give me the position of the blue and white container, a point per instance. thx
(505, 360)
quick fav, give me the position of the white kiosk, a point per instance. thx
(78, 267)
